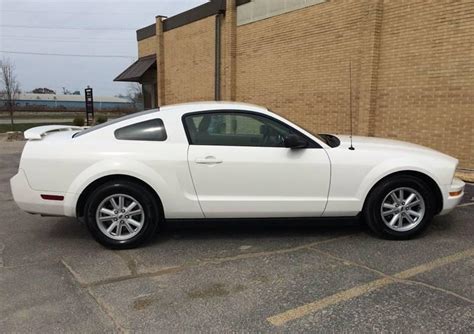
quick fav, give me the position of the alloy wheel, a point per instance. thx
(403, 209)
(120, 217)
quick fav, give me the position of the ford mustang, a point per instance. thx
(220, 160)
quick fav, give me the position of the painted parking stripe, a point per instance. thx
(301, 311)
(465, 204)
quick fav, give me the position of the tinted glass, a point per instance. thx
(151, 130)
(235, 129)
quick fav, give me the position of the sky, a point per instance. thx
(105, 28)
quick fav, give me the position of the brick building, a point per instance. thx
(412, 64)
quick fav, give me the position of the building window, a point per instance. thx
(261, 9)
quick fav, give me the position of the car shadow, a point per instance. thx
(70, 229)
(258, 228)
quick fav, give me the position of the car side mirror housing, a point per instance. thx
(295, 142)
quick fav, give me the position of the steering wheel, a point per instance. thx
(273, 138)
(266, 138)
(280, 139)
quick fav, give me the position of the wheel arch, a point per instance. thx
(80, 204)
(429, 181)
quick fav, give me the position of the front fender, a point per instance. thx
(389, 167)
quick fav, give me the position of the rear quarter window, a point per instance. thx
(150, 130)
(115, 121)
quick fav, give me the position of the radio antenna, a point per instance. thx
(350, 102)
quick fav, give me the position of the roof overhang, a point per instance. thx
(136, 71)
(207, 9)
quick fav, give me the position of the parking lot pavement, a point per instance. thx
(259, 277)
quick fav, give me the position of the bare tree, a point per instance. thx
(11, 87)
(135, 94)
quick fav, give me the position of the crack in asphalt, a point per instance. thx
(102, 306)
(106, 309)
(129, 261)
(132, 265)
(199, 263)
(2, 247)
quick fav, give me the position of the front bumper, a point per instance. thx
(450, 202)
(30, 200)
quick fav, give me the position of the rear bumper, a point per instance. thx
(450, 202)
(30, 200)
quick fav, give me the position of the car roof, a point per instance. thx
(184, 108)
(176, 111)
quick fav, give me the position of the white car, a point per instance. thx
(217, 160)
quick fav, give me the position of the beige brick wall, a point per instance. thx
(297, 64)
(189, 62)
(147, 47)
(426, 76)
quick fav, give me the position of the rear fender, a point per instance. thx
(116, 167)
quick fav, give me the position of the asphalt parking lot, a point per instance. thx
(260, 277)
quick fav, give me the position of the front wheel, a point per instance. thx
(400, 207)
(121, 214)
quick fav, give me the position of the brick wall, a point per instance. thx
(189, 62)
(426, 76)
(297, 64)
(147, 47)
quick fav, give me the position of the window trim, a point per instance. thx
(165, 137)
(312, 144)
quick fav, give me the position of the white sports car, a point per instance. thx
(218, 160)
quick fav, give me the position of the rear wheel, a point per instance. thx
(400, 207)
(121, 214)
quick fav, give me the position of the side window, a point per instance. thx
(151, 130)
(235, 129)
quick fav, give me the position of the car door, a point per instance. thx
(241, 168)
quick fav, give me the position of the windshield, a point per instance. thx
(114, 121)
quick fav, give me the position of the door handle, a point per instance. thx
(210, 160)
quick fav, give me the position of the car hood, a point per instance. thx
(381, 144)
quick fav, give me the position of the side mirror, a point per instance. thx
(294, 141)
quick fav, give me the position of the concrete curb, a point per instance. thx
(466, 175)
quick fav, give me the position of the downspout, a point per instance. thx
(217, 62)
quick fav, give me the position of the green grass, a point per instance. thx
(25, 126)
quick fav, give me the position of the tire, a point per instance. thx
(111, 203)
(406, 196)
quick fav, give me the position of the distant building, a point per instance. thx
(67, 102)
